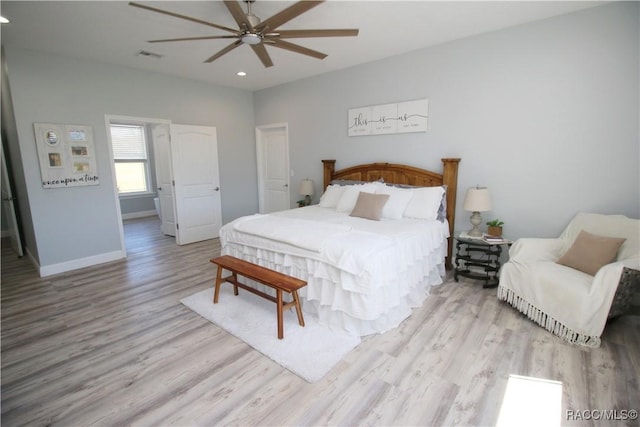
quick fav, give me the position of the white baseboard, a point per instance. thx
(141, 214)
(48, 270)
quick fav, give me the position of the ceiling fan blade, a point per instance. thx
(238, 14)
(287, 14)
(177, 15)
(297, 49)
(262, 53)
(291, 34)
(227, 49)
(191, 38)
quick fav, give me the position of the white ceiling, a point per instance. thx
(114, 32)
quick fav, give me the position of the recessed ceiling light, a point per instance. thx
(241, 73)
(3, 20)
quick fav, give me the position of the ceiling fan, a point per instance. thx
(256, 33)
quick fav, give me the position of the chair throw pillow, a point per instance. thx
(591, 252)
(369, 205)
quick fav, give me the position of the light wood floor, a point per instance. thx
(112, 345)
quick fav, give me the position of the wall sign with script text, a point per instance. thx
(66, 154)
(403, 117)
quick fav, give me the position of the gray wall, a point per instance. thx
(81, 222)
(545, 114)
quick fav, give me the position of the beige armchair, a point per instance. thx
(573, 301)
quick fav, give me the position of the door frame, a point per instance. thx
(108, 119)
(260, 151)
(9, 208)
(158, 154)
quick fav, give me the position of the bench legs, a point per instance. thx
(296, 302)
(216, 292)
(279, 303)
(219, 281)
(282, 305)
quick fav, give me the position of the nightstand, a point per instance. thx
(478, 259)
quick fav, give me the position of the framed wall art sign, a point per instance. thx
(402, 117)
(66, 154)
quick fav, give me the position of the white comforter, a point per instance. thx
(363, 276)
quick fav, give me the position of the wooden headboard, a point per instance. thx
(408, 175)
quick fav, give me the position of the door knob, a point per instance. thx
(216, 189)
(286, 185)
(159, 188)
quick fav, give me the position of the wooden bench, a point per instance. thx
(273, 279)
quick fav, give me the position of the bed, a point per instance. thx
(364, 274)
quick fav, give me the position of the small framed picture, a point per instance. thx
(77, 135)
(55, 160)
(79, 150)
(81, 167)
(51, 138)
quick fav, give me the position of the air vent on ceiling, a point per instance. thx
(149, 54)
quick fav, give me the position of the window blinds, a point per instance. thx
(128, 142)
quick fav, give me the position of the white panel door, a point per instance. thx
(10, 209)
(194, 152)
(273, 168)
(164, 181)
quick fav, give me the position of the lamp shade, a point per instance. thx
(306, 187)
(477, 199)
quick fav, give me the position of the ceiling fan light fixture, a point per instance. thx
(251, 38)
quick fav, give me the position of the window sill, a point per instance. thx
(146, 194)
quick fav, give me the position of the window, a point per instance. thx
(131, 159)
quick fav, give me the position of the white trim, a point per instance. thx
(141, 195)
(74, 264)
(141, 214)
(32, 259)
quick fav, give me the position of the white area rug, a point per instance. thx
(309, 352)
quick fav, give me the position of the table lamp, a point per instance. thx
(476, 200)
(306, 190)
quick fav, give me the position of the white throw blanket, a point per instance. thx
(348, 249)
(565, 301)
(310, 235)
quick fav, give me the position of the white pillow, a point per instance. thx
(399, 199)
(425, 203)
(350, 196)
(331, 196)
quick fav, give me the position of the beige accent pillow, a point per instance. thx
(369, 205)
(591, 252)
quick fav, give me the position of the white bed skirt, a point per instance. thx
(393, 293)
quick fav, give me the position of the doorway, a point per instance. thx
(9, 210)
(272, 149)
(185, 174)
